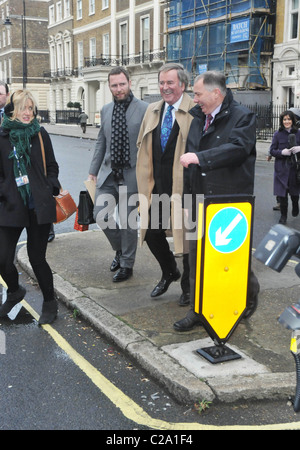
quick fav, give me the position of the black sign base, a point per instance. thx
(217, 354)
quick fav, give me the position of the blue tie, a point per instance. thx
(166, 127)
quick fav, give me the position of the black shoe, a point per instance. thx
(188, 323)
(12, 299)
(51, 234)
(123, 274)
(184, 299)
(250, 310)
(49, 312)
(115, 265)
(295, 210)
(164, 283)
(282, 220)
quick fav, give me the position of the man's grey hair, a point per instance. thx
(213, 79)
(182, 73)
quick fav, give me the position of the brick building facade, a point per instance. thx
(24, 50)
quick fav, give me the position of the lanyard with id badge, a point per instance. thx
(21, 180)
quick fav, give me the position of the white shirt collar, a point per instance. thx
(175, 105)
(216, 111)
(175, 108)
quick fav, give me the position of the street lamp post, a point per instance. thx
(24, 47)
(8, 23)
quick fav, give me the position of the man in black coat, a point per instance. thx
(219, 160)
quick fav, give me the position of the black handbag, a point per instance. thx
(85, 209)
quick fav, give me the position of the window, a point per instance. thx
(68, 63)
(5, 69)
(291, 97)
(67, 11)
(144, 91)
(123, 41)
(51, 15)
(60, 56)
(93, 48)
(80, 55)
(9, 69)
(58, 11)
(105, 45)
(61, 97)
(145, 34)
(105, 4)
(79, 9)
(294, 14)
(8, 36)
(52, 58)
(92, 7)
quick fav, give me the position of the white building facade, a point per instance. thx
(89, 37)
(286, 59)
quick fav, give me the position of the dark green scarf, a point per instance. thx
(20, 135)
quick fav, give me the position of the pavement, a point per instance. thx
(143, 327)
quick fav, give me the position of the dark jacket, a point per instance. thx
(163, 161)
(13, 212)
(284, 169)
(226, 151)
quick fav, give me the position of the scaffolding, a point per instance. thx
(233, 36)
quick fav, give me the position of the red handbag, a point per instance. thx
(65, 205)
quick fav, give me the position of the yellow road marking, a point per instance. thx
(127, 406)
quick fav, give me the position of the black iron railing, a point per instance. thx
(109, 60)
(126, 60)
(267, 118)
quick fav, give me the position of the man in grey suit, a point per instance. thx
(113, 169)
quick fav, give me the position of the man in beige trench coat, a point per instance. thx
(159, 173)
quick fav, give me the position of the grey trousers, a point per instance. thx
(117, 219)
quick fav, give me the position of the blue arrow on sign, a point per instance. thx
(228, 230)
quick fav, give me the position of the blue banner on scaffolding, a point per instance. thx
(240, 30)
(202, 68)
